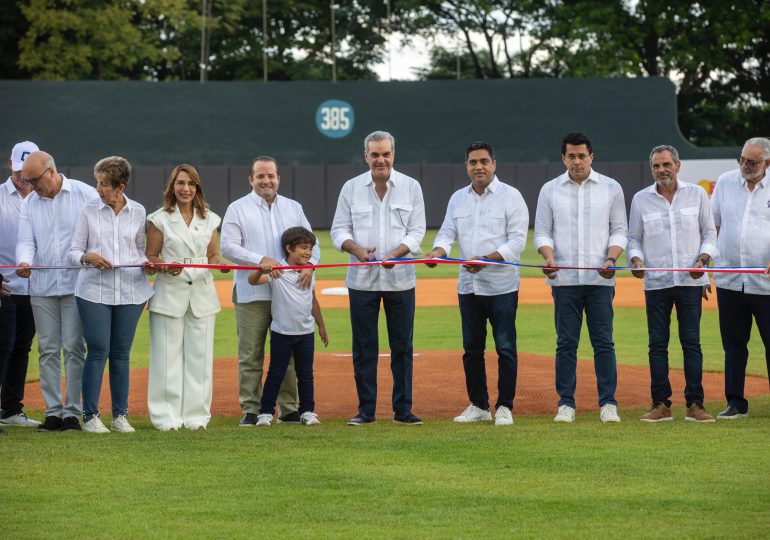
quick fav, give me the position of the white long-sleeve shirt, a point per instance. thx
(743, 220)
(498, 221)
(399, 218)
(666, 235)
(121, 240)
(10, 211)
(580, 222)
(251, 230)
(46, 227)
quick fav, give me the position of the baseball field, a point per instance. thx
(534, 479)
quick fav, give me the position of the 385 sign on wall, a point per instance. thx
(335, 118)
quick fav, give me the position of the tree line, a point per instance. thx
(715, 51)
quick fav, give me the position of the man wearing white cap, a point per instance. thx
(46, 226)
(17, 326)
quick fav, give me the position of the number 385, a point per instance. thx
(335, 118)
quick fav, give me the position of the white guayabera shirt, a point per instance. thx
(399, 218)
(121, 240)
(11, 202)
(580, 222)
(667, 235)
(46, 227)
(498, 221)
(743, 220)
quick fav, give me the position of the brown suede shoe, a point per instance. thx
(658, 413)
(696, 413)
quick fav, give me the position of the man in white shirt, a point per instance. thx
(741, 207)
(251, 235)
(489, 219)
(17, 326)
(671, 227)
(381, 215)
(581, 222)
(46, 226)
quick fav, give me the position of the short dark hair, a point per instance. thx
(264, 158)
(479, 145)
(294, 236)
(575, 139)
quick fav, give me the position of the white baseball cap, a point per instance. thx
(20, 153)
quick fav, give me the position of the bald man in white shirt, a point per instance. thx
(741, 207)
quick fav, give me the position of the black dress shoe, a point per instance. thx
(407, 419)
(731, 413)
(291, 418)
(70, 424)
(51, 423)
(360, 419)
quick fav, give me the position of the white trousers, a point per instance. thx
(58, 327)
(181, 370)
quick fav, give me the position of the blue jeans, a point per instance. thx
(500, 310)
(364, 314)
(659, 304)
(736, 309)
(282, 347)
(109, 333)
(569, 303)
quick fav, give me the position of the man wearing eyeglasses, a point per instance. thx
(489, 220)
(671, 227)
(17, 326)
(46, 225)
(741, 207)
(581, 221)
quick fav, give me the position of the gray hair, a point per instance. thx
(763, 143)
(663, 148)
(379, 136)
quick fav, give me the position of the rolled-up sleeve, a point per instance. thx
(618, 222)
(26, 247)
(708, 230)
(544, 219)
(518, 224)
(635, 231)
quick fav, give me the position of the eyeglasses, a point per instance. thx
(750, 162)
(34, 181)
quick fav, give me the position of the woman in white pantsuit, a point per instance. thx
(183, 308)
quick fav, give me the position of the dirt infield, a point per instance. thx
(439, 386)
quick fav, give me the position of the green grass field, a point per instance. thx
(440, 480)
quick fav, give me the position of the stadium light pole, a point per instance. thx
(333, 6)
(264, 40)
(203, 39)
(390, 55)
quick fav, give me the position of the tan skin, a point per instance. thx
(184, 192)
(578, 159)
(481, 171)
(379, 156)
(665, 170)
(298, 255)
(39, 172)
(265, 181)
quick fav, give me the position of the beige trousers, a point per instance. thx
(181, 370)
(253, 322)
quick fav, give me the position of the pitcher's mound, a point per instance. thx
(438, 386)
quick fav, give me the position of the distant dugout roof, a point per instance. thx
(231, 122)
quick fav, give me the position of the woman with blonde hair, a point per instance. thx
(184, 306)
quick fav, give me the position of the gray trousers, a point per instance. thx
(253, 321)
(59, 329)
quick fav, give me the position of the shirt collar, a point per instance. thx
(368, 180)
(492, 187)
(262, 203)
(593, 176)
(66, 184)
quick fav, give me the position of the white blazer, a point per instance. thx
(194, 287)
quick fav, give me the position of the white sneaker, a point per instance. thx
(121, 425)
(264, 420)
(565, 414)
(503, 416)
(95, 425)
(473, 414)
(309, 419)
(21, 420)
(609, 413)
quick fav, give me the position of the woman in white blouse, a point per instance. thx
(184, 306)
(110, 233)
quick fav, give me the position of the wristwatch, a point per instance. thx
(613, 260)
(83, 260)
(704, 261)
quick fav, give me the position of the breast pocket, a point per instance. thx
(361, 217)
(462, 218)
(653, 223)
(494, 222)
(399, 215)
(689, 217)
